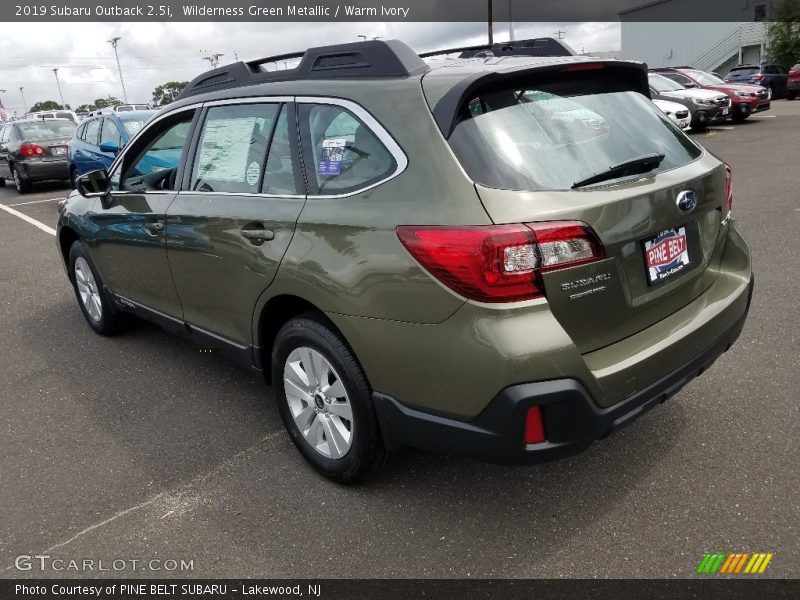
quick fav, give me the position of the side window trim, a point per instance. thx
(401, 160)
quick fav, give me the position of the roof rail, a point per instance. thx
(373, 59)
(529, 47)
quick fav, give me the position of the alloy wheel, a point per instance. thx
(88, 290)
(318, 402)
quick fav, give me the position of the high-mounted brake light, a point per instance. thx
(31, 150)
(728, 190)
(584, 67)
(500, 263)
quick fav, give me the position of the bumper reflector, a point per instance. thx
(534, 427)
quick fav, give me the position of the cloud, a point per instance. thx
(153, 53)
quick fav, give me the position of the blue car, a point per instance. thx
(99, 138)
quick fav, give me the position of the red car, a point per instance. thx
(793, 83)
(745, 99)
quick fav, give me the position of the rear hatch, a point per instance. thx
(527, 141)
(46, 139)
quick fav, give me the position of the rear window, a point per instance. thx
(529, 138)
(47, 129)
(744, 71)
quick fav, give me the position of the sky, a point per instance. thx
(154, 53)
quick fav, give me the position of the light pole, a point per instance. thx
(58, 84)
(24, 104)
(114, 41)
(214, 59)
(510, 22)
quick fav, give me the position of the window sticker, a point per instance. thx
(253, 171)
(330, 163)
(224, 150)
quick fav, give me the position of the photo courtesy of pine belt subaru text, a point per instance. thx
(505, 258)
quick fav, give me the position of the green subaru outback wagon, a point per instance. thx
(504, 258)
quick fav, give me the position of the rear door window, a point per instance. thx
(342, 154)
(110, 133)
(532, 138)
(92, 131)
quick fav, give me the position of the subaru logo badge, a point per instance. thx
(686, 201)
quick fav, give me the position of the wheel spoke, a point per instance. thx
(308, 366)
(335, 390)
(296, 388)
(297, 375)
(305, 417)
(337, 444)
(341, 409)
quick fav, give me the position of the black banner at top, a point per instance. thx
(390, 10)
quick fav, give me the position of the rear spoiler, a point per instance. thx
(618, 75)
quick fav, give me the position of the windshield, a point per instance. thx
(663, 84)
(534, 140)
(704, 78)
(47, 129)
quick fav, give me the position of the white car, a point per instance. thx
(678, 113)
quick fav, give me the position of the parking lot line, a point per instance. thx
(36, 201)
(27, 219)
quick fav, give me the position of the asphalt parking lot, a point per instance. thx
(142, 447)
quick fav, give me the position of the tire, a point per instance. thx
(791, 95)
(305, 348)
(2, 181)
(93, 299)
(739, 117)
(23, 185)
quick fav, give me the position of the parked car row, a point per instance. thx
(745, 99)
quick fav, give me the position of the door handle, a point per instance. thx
(257, 234)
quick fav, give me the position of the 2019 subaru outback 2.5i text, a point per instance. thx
(501, 258)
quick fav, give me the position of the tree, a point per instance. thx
(784, 33)
(85, 108)
(46, 105)
(107, 102)
(167, 92)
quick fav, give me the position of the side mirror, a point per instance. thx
(690, 85)
(112, 147)
(94, 184)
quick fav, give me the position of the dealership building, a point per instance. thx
(739, 35)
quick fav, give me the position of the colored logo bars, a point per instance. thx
(734, 563)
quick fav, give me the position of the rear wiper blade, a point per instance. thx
(634, 166)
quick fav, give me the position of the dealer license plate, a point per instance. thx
(666, 254)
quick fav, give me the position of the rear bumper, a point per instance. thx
(42, 170)
(572, 418)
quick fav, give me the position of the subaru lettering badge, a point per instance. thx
(686, 201)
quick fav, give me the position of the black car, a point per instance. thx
(34, 150)
(770, 76)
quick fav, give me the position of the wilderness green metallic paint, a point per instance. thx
(418, 341)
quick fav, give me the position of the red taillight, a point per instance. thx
(500, 263)
(534, 427)
(31, 150)
(758, 77)
(728, 190)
